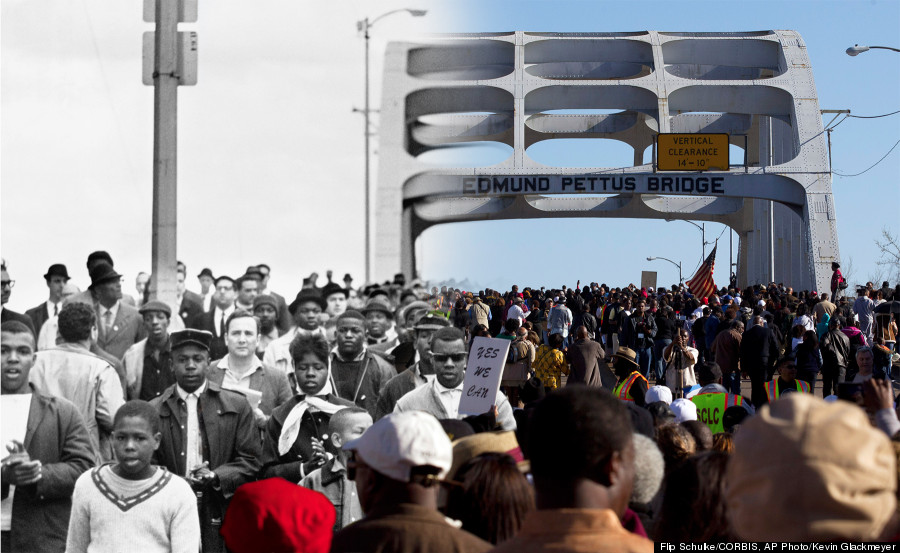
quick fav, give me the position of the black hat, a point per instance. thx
(57, 269)
(378, 304)
(156, 305)
(103, 272)
(377, 291)
(206, 272)
(254, 270)
(305, 295)
(99, 255)
(347, 276)
(191, 337)
(333, 288)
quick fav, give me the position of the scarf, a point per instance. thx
(291, 427)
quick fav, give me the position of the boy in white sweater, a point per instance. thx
(130, 504)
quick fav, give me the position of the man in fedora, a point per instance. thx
(208, 434)
(380, 323)
(632, 385)
(335, 299)
(56, 278)
(207, 288)
(306, 310)
(120, 325)
(94, 259)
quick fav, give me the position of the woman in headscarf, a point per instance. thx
(297, 430)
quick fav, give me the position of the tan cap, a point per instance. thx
(806, 470)
(469, 447)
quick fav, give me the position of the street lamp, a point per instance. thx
(857, 49)
(702, 229)
(680, 279)
(364, 26)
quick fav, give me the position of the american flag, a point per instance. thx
(702, 284)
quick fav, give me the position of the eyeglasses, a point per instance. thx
(443, 357)
(9, 283)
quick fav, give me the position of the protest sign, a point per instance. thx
(483, 372)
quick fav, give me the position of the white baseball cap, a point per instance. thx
(658, 393)
(399, 442)
(684, 409)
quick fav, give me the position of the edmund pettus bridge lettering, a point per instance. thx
(575, 184)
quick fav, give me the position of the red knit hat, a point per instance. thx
(276, 516)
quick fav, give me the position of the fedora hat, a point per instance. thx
(378, 304)
(627, 354)
(334, 288)
(103, 272)
(57, 269)
(305, 295)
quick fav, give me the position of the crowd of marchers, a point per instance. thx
(234, 420)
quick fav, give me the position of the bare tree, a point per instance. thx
(848, 271)
(889, 246)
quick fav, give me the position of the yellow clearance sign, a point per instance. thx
(691, 152)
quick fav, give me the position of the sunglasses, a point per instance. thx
(443, 357)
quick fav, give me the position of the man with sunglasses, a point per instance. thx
(441, 396)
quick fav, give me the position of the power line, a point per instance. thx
(873, 165)
(836, 124)
(874, 116)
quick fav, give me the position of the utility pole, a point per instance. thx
(368, 134)
(170, 60)
(364, 25)
(165, 153)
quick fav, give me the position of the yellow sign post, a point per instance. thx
(691, 152)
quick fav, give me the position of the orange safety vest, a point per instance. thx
(623, 390)
(773, 393)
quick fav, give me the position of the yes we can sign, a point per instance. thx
(483, 372)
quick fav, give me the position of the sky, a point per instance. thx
(270, 165)
(556, 251)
